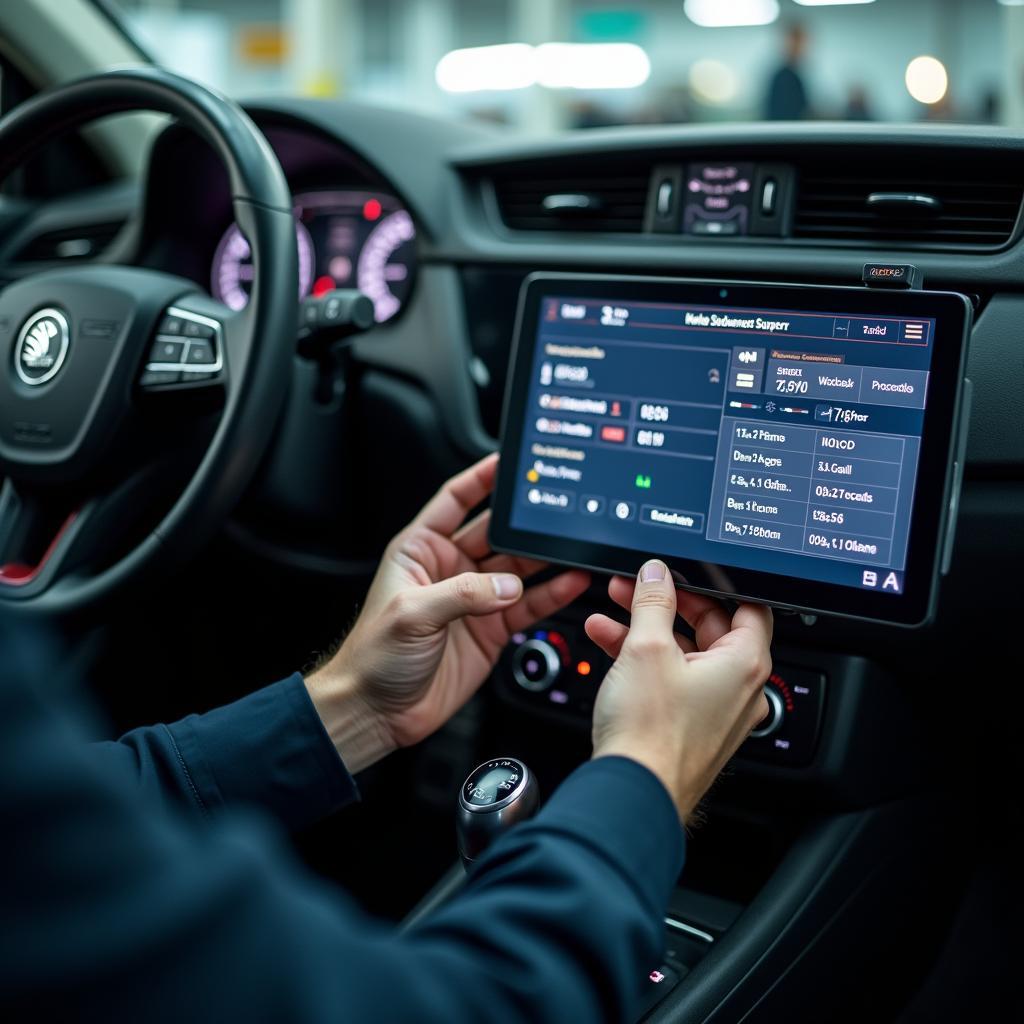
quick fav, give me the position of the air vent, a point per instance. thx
(540, 201)
(81, 243)
(844, 203)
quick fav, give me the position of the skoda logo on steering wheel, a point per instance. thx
(42, 346)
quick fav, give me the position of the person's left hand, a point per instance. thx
(438, 614)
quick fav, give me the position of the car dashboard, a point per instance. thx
(440, 223)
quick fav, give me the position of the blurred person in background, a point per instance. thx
(786, 98)
(858, 106)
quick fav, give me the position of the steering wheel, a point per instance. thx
(134, 409)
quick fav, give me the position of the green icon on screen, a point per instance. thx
(643, 482)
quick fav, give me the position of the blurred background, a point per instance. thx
(549, 65)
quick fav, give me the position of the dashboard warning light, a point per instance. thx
(583, 668)
(372, 209)
(323, 285)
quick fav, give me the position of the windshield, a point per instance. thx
(541, 66)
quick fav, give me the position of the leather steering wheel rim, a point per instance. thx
(262, 207)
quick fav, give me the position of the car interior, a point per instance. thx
(200, 509)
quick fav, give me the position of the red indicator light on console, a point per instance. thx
(323, 285)
(583, 668)
(615, 434)
(372, 209)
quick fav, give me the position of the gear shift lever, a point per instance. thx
(497, 795)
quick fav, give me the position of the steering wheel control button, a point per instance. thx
(42, 347)
(172, 325)
(186, 351)
(166, 350)
(536, 665)
(200, 353)
(158, 378)
(195, 329)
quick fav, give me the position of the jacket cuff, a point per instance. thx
(268, 749)
(621, 808)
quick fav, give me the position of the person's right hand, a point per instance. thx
(678, 707)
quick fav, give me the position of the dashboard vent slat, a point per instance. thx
(537, 199)
(832, 204)
(81, 243)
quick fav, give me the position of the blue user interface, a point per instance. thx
(784, 442)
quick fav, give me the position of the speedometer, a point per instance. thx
(233, 270)
(347, 238)
(383, 271)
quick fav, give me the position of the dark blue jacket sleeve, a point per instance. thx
(117, 909)
(269, 749)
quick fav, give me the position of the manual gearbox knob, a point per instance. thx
(497, 795)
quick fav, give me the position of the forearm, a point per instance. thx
(358, 733)
(268, 749)
(564, 918)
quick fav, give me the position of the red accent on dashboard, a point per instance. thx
(615, 434)
(17, 574)
(372, 209)
(323, 285)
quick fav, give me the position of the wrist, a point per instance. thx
(360, 734)
(664, 763)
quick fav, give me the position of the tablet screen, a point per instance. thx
(761, 436)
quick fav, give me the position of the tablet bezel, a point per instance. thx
(939, 441)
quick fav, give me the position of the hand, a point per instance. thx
(438, 614)
(679, 707)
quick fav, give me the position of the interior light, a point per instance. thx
(837, 3)
(554, 65)
(592, 65)
(479, 68)
(926, 79)
(731, 13)
(712, 81)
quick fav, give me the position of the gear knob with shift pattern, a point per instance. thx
(496, 795)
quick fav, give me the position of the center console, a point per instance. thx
(555, 669)
(816, 884)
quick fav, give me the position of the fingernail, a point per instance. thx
(506, 586)
(652, 571)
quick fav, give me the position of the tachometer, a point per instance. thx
(383, 271)
(347, 238)
(233, 270)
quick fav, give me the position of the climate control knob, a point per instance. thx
(535, 665)
(776, 712)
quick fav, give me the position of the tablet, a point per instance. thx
(796, 445)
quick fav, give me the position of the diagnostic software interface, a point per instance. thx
(785, 442)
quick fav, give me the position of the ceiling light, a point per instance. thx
(592, 65)
(731, 13)
(479, 68)
(712, 81)
(836, 3)
(926, 79)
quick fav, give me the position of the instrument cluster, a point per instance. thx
(346, 239)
